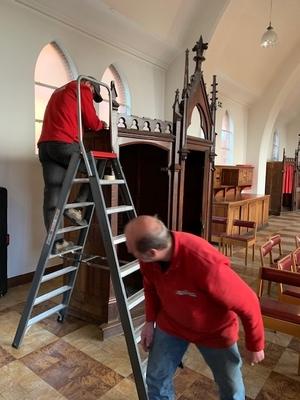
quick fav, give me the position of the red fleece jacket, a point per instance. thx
(60, 119)
(199, 297)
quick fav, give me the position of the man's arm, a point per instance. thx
(227, 288)
(89, 117)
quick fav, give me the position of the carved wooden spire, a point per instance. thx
(199, 48)
(176, 106)
(186, 74)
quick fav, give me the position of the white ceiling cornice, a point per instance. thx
(112, 28)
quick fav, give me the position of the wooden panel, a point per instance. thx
(273, 187)
(249, 208)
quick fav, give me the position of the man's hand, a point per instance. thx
(147, 335)
(254, 357)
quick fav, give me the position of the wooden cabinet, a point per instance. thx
(229, 181)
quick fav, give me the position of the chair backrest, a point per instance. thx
(279, 276)
(266, 250)
(276, 241)
(244, 226)
(296, 259)
(297, 238)
(286, 263)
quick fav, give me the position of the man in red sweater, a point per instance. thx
(59, 141)
(192, 296)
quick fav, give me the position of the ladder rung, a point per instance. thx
(113, 210)
(46, 314)
(72, 228)
(71, 250)
(129, 268)
(119, 239)
(53, 293)
(81, 180)
(137, 333)
(111, 182)
(136, 299)
(55, 274)
(76, 205)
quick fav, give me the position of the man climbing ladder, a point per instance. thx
(95, 164)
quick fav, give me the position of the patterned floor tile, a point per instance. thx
(125, 390)
(19, 382)
(5, 357)
(112, 352)
(36, 336)
(279, 387)
(71, 372)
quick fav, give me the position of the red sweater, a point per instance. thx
(60, 119)
(199, 297)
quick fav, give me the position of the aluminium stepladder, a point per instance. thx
(96, 164)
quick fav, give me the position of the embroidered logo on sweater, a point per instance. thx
(186, 293)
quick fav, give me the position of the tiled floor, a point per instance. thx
(67, 361)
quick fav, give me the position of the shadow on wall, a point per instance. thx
(24, 182)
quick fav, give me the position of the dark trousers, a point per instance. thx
(55, 158)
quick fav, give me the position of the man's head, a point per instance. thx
(148, 239)
(95, 88)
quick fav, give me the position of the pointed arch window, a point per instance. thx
(226, 141)
(112, 74)
(275, 147)
(52, 70)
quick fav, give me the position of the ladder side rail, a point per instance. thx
(48, 245)
(119, 289)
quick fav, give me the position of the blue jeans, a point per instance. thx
(167, 352)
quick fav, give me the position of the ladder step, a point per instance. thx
(136, 299)
(72, 228)
(137, 333)
(55, 274)
(129, 268)
(81, 180)
(119, 239)
(113, 210)
(76, 205)
(46, 314)
(111, 182)
(71, 250)
(53, 293)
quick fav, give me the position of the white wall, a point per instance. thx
(292, 132)
(23, 33)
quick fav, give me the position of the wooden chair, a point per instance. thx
(279, 316)
(216, 236)
(297, 239)
(265, 251)
(296, 259)
(287, 293)
(276, 244)
(243, 233)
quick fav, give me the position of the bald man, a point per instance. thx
(192, 296)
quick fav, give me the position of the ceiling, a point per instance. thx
(158, 31)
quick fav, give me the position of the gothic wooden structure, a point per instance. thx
(169, 169)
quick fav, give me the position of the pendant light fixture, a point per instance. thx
(269, 38)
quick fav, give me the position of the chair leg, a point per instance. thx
(246, 256)
(299, 364)
(253, 250)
